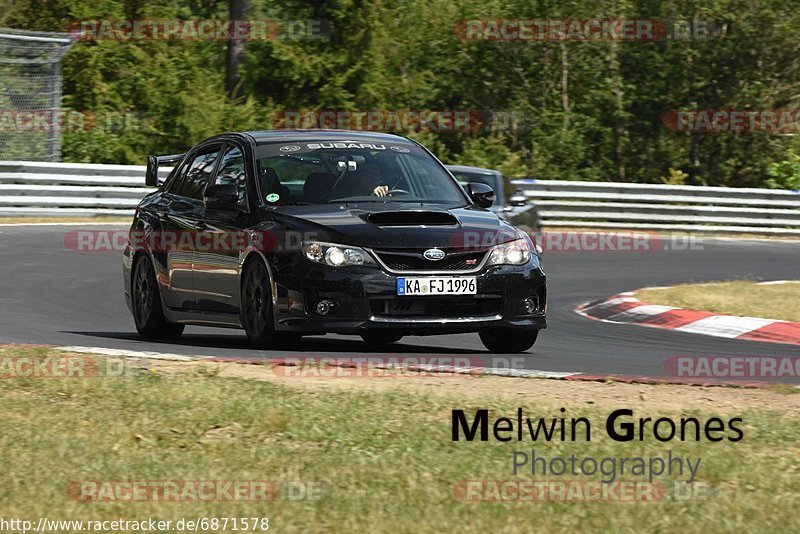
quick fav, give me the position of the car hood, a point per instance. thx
(396, 225)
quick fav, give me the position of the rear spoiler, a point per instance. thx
(153, 162)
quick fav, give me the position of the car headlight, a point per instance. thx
(336, 255)
(512, 253)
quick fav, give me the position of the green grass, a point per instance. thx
(748, 299)
(386, 458)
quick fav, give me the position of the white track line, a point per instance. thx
(655, 288)
(502, 371)
(132, 353)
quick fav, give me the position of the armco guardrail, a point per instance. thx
(680, 208)
(66, 189)
(40, 189)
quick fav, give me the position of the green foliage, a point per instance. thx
(490, 152)
(607, 122)
(785, 174)
(675, 177)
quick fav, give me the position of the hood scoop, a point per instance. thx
(412, 218)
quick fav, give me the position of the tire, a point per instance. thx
(380, 338)
(256, 307)
(507, 341)
(146, 303)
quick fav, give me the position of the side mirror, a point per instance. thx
(481, 194)
(518, 198)
(222, 197)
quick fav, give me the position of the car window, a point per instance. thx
(231, 171)
(352, 171)
(286, 176)
(199, 172)
(175, 181)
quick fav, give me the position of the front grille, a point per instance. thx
(436, 307)
(413, 260)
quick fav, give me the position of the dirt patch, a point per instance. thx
(545, 392)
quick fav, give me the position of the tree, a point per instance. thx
(237, 49)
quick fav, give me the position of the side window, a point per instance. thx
(198, 173)
(231, 171)
(175, 182)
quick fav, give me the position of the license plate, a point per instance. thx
(461, 285)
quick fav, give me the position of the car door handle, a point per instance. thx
(200, 226)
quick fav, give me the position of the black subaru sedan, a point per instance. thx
(291, 233)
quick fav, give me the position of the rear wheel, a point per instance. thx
(506, 340)
(146, 302)
(257, 304)
(379, 338)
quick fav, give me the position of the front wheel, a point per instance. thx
(257, 304)
(146, 302)
(506, 341)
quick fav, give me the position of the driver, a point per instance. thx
(366, 180)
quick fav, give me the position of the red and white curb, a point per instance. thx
(625, 308)
(420, 367)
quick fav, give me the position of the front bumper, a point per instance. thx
(366, 300)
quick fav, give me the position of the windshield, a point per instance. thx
(352, 171)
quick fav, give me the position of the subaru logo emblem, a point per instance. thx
(290, 148)
(434, 254)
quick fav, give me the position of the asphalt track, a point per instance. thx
(54, 295)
